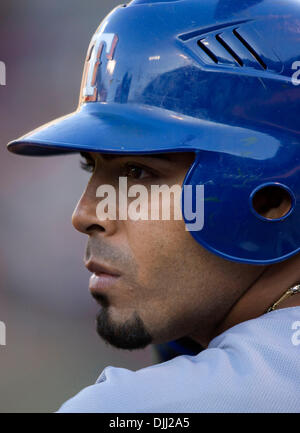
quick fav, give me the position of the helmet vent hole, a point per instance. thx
(230, 50)
(207, 51)
(272, 202)
(249, 48)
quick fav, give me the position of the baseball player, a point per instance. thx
(202, 95)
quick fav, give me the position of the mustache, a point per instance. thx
(107, 254)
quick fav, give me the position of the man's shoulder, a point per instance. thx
(272, 329)
(242, 370)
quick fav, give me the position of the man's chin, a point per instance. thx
(130, 334)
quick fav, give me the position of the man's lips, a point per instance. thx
(101, 282)
(103, 277)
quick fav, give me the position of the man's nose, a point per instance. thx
(84, 217)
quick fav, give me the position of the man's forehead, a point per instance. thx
(110, 156)
(143, 155)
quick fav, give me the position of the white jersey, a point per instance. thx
(251, 367)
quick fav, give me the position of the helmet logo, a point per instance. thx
(100, 42)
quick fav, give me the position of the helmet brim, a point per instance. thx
(108, 128)
(139, 129)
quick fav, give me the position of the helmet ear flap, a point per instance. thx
(244, 218)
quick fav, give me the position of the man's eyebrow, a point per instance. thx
(109, 156)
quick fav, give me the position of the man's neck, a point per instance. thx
(271, 285)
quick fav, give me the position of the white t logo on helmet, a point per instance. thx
(99, 42)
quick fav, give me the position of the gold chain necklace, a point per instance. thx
(290, 292)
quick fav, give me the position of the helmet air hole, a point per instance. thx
(272, 202)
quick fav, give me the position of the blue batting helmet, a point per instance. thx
(216, 77)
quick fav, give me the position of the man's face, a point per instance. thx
(163, 285)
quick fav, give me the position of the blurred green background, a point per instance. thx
(52, 348)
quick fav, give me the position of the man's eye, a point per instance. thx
(135, 172)
(87, 165)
